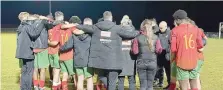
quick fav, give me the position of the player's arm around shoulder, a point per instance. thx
(68, 45)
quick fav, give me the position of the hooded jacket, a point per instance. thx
(105, 51)
(127, 57)
(27, 32)
(81, 46)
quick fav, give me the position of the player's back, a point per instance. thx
(64, 36)
(186, 46)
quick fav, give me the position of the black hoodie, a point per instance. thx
(81, 46)
(105, 51)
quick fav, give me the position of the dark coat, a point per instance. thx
(165, 43)
(81, 46)
(105, 51)
(26, 33)
(42, 41)
(128, 58)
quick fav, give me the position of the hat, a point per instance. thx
(180, 14)
(75, 19)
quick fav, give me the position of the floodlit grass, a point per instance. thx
(211, 74)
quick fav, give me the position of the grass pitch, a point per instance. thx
(211, 74)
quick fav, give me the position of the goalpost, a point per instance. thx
(220, 29)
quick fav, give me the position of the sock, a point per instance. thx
(194, 89)
(35, 83)
(41, 84)
(64, 85)
(55, 83)
(172, 86)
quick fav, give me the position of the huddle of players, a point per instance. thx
(68, 47)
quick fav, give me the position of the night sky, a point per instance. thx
(206, 14)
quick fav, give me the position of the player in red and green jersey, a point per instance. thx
(185, 42)
(173, 70)
(53, 41)
(67, 64)
(200, 53)
(66, 59)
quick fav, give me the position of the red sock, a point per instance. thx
(54, 87)
(59, 86)
(194, 89)
(35, 82)
(64, 85)
(172, 86)
(41, 84)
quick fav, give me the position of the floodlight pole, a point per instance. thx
(50, 6)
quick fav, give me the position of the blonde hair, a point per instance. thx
(23, 15)
(146, 27)
(126, 20)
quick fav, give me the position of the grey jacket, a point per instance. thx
(27, 32)
(146, 58)
(81, 46)
(105, 51)
(165, 43)
(42, 41)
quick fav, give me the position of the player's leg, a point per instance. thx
(35, 72)
(183, 78)
(80, 76)
(198, 83)
(43, 64)
(71, 70)
(173, 79)
(200, 63)
(54, 62)
(88, 73)
(194, 76)
(65, 76)
(42, 78)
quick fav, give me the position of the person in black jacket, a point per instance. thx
(28, 30)
(129, 62)
(146, 46)
(105, 51)
(163, 61)
(81, 46)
